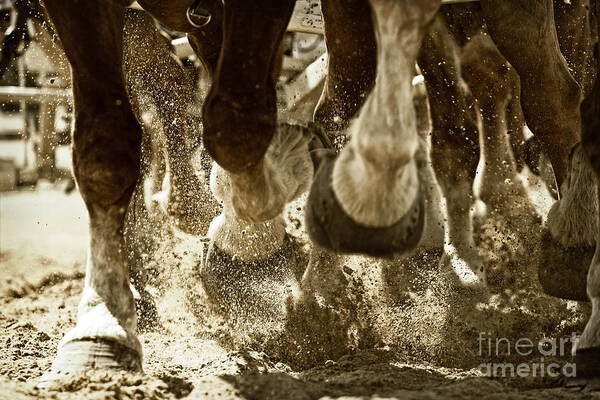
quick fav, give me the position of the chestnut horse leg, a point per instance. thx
(106, 151)
(491, 81)
(525, 34)
(156, 81)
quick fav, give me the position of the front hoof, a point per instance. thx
(252, 287)
(86, 354)
(329, 226)
(563, 271)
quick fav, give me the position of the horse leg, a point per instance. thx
(455, 151)
(491, 81)
(587, 353)
(525, 34)
(157, 81)
(351, 62)
(575, 40)
(106, 150)
(247, 263)
(239, 114)
(369, 200)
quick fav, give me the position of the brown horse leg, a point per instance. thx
(515, 124)
(491, 80)
(455, 151)
(106, 149)
(587, 355)
(240, 113)
(587, 352)
(575, 40)
(352, 62)
(525, 34)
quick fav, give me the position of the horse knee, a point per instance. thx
(106, 158)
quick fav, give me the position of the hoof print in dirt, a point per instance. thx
(86, 354)
(563, 271)
(329, 226)
(233, 284)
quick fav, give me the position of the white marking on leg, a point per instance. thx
(286, 172)
(107, 308)
(236, 237)
(375, 177)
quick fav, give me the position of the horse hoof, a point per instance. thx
(563, 271)
(83, 355)
(233, 284)
(329, 226)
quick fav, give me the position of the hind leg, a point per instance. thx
(161, 95)
(106, 146)
(455, 151)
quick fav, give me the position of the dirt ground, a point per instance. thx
(387, 329)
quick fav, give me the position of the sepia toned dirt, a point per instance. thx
(381, 329)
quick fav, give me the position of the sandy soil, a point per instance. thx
(384, 329)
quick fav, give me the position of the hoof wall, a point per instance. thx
(233, 284)
(330, 227)
(82, 355)
(563, 271)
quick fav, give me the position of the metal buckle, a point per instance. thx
(198, 16)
